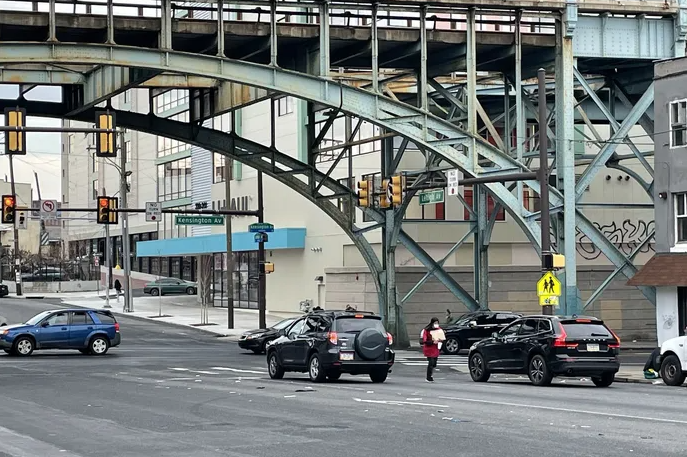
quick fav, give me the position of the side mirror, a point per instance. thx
(45, 324)
(473, 324)
(495, 335)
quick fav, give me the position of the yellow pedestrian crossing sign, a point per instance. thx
(549, 286)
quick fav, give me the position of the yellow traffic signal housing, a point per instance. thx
(397, 190)
(9, 206)
(364, 193)
(113, 214)
(383, 196)
(269, 268)
(15, 140)
(558, 261)
(103, 210)
(105, 142)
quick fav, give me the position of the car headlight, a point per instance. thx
(473, 346)
(256, 336)
(4, 332)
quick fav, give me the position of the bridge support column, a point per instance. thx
(52, 22)
(166, 25)
(481, 246)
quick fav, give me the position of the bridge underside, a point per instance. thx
(456, 96)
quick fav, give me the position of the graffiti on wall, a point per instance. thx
(626, 236)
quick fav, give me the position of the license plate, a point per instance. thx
(593, 348)
(346, 356)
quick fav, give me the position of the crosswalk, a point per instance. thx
(444, 360)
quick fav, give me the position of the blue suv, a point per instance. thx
(88, 330)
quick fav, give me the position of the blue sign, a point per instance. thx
(261, 227)
(260, 237)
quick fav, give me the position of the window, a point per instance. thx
(94, 166)
(296, 328)
(467, 195)
(343, 202)
(81, 318)
(219, 166)
(127, 151)
(529, 327)
(170, 99)
(94, 189)
(511, 330)
(128, 183)
(167, 146)
(680, 217)
(544, 326)
(678, 123)
(105, 317)
(58, 319)
(127, 96)
(174, 180)
(284, 106)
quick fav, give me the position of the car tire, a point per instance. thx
(334, 375)
(452, 346)
(99, 345)
(274, 368)
(191, 291)
(315, 369)
(604, 380)
(154, 292)
(478, 368)
(671, 371)
(538, 371)
(23, 346)
(379, 376)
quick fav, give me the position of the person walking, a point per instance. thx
(118, 288)
(431, 338)
(652, 367)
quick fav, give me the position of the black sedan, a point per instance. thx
(473, 327)
(4, 291)
(547, 346)
(256, 340)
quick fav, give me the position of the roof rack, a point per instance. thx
(314, 311)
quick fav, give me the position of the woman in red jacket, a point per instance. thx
(430, 346)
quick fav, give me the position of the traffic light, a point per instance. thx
(21, 220)
(105, 142)
(364, 193)
(114, 215)
(103, 210)
(9, 206)
(384, 195)
(15, 140)
(267, 268)
(397, 190)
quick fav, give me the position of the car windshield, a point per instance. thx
(283, 324)
(578, 330)
(355, 325)
(37, 318)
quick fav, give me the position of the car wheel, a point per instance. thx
(452, 346)
(315, 370)
(154, 292)
(671, 371)
(478, 368)
(99, 345)
(539, 372)
(379, 376)
(190, 291)
(334, 375)
(23, 346)
(273, 367)
(604, 380)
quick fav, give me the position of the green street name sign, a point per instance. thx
(199, 220)
(261, 227)
(431, 197)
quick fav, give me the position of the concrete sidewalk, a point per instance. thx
(180, 310)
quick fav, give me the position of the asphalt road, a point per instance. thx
(173, 392)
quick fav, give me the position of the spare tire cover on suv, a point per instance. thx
(370, 343)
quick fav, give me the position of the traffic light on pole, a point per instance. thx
(103, 210)
(105, 142)
(9, 206)
(364, 193)
(397, 190)
(384, 195)
(114, 215)
(15, 140)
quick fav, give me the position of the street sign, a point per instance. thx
(452, 178)
(153, 211)
(96, 261)
(48, 209)
(261, 227)
(549, 285)
(261, 237)
(431, 197)
(45, 238)
(550, 300)
(199, 220)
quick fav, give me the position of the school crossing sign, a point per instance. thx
(548, 290)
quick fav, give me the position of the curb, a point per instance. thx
(25, 297)
(623, 379)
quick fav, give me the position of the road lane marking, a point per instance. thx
(237, 370)
(203, 372)
(567, 410)
(180, 369)
(398, 403)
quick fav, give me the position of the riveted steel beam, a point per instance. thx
(41, 77)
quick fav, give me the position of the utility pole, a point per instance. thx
(546, 257)
(228, 176)
(262, 287)
(17, 260)
(108, 263)
(123, 190)
(40, 245)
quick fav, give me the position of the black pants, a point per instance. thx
(431, 365)
(652, 362)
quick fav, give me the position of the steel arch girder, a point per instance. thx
(425, 130)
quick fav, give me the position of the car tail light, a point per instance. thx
(333, 338)
(615, 345)
(560, 342)
(116, 326)
(390, 338)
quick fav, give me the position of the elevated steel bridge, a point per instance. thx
(432, 73)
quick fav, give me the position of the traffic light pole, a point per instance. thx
(262, 284)
(17, 259)
(123, 190)
(544, 179)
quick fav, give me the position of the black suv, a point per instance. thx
(548, 346)
(472, 327)
(328, 343)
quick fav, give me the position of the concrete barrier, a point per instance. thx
(54, 287)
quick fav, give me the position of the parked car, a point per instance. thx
(88, 330)
(257, 340)
(170, 286)
(473, 327)
(547, 346)
(326, 344)
(45, 274)
(4, 291)
(674, 361)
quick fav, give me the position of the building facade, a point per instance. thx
(666, 270)
(314, 259)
